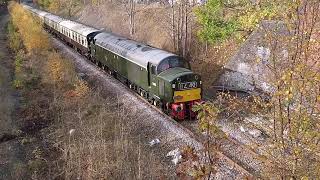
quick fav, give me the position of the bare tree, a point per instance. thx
(180, 25)
(130, 8)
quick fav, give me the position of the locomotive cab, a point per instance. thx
(179, 87)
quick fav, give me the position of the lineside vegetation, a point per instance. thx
(292, 108)
(72, 132)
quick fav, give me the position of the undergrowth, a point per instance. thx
(71, 130)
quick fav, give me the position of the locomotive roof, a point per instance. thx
(77, 27)
(43, 13)
(54, 18)
(134, 51)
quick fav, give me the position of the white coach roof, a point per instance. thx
(77, 27)
(54, 18)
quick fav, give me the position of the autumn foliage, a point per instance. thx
(32, 35)
(292, 108)
(55, 69)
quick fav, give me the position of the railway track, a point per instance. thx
(244, 167)
(247, 171)
(241, 154)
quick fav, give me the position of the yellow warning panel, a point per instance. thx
(187, 95)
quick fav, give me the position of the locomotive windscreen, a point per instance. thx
(172, 62)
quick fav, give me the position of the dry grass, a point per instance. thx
(98, 140)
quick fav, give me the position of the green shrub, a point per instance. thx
(14, 37)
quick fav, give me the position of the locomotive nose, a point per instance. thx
(187, 88)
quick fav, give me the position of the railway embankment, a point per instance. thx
(69, 130)
(151, 123)
(11, 151)
(75, 115)
(125, 102)
(86, 124)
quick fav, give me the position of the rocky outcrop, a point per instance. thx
(248, 70)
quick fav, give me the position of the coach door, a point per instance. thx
(152, 80)
(149, 74)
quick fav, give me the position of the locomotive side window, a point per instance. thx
(153, 69)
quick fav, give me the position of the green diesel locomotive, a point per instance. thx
(163, 78)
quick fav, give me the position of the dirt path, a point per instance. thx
(11, 164)
(5, 76)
